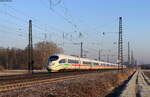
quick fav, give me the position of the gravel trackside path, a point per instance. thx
(138, 86)
(130, 87)
(143, 88)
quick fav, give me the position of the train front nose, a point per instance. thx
(49, 69)
(51, 63)
(48, 66)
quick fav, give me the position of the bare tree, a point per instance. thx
(42, 51)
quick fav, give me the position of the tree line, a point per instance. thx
(14, 58)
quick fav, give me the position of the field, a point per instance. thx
(97, 85)
(16, 72)
(5, 73)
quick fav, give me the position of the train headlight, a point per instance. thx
(51, 63)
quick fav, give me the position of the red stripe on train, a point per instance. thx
(85, 65)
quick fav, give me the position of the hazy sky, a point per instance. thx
(72, 17)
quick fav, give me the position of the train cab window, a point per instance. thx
(53, 58)
(62, 61)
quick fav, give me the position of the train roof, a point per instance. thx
(65, 56)
(62, 55)
(85, 59)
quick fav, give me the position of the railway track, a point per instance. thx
(36, 82)
(17, 82)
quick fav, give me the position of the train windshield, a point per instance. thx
(53, 58)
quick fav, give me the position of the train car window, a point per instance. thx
(73, 61)
(70, 61)
(77, 62)
(53, 58)
(95, 64)
(90, 63)
(86, 62)
(62, 61)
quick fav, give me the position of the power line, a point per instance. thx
(23, 14)
(20, 19)
(106, 25)
(15, 17)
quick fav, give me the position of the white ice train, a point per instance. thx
(61, 62)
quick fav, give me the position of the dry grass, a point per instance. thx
(97, 85)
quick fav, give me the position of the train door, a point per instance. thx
(78, 63)
(91, 63)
